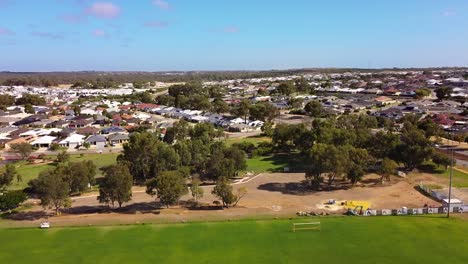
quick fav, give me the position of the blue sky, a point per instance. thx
(158, 35)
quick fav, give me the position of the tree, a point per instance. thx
(286, 88)
(357, 166)
(414, 148)
(441, 160)
(139, 154)
(80, 175)
(241, 192)
(116, 185)
(242, 109)
(11, 200)
(220, 106)
(303, 86)
(169, 187)
(86, 145)
(225, 162)
(19, 178)
(296, 103)
(55, 147)
(443, 92)
(63, 157)
(28, 108)
(7, 176)
(182, 148)
(199, 102)
(263, 111)
(384, 145)
(145, 97)
(267, 129)
(387, 168)
(285, 136)
(423, 92)
(324, 159)
(430, 128)
(53, 190)
(6, 100)
(205, 132)
(224, 191)
(22, 149)
(314, 109)
(77, 110)
(196, 190)
(179, 131)
(31, 99)
(165, 99)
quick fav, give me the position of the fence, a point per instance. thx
(429, 192)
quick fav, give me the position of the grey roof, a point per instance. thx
(118, 136)
(96, 138)
(7, 129)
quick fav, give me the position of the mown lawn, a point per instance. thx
(380, 240)
(31, 171)
(276, 162)
(460, 179)
(254, 140)
(272, 163)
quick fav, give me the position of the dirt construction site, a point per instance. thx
(268, 195)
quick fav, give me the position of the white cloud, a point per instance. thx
(231, 29)
(104, 10)
(6, 32)
(449, 13)
(99, 33)
(162, 4)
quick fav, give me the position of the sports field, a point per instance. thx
(424, 239)
(31, 171)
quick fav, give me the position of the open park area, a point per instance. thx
(416, 239)
(268, 195)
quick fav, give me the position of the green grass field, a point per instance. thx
(272, 163)
(255, 140)
(31, 171)
(276, 163)
(460, 179)
(342, 240)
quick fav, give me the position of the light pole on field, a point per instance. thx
(451, 175)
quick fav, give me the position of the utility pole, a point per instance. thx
(450, 181)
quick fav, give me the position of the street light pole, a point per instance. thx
(450, 181)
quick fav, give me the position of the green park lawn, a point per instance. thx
(276, 162)
(271, 163)
(254, 139)
(31, 171)
(460, 179)
(423, 239)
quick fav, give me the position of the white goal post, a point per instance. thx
(306, 226)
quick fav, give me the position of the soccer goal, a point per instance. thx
(306, 226)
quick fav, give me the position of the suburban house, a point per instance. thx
(97, 140)
(81, 121)
(87, 131)
(43, 142)
(73, 141)
(118, 138)
(113, 129)
(9, 142)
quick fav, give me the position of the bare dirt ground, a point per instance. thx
(269, 195)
